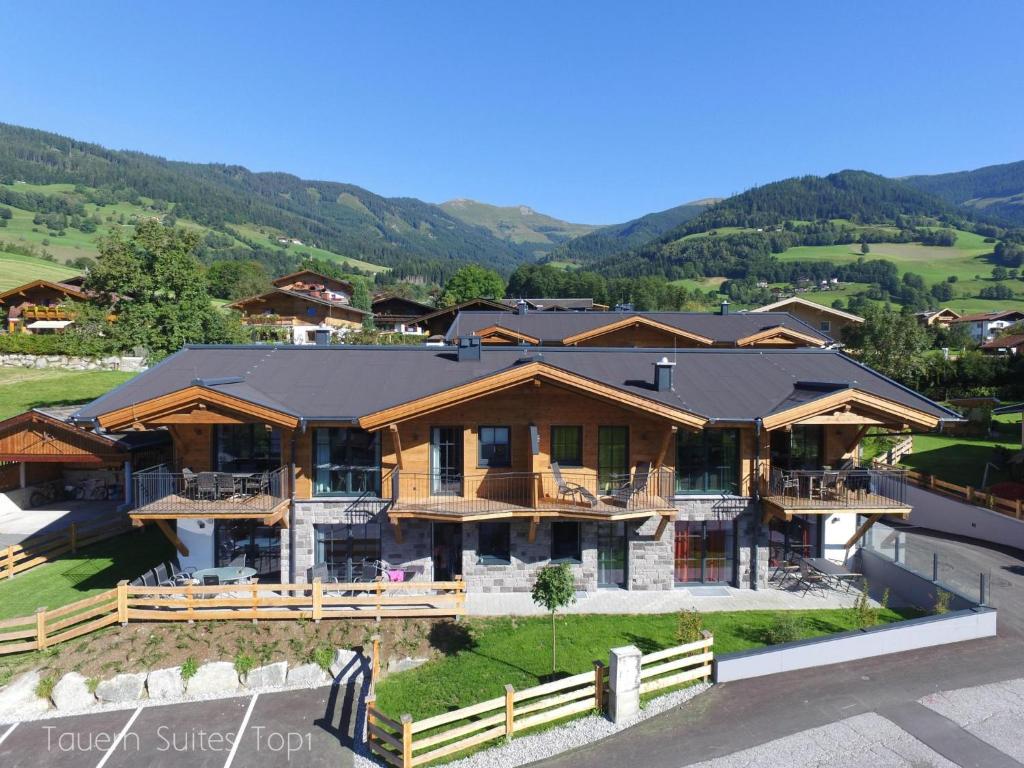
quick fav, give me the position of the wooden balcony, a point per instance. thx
(40, 312)
(494, 495)
(162, 494)
(824, 491)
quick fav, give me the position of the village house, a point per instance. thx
(937, 318)
(396, 314)
(642, 468)
(984, 326)
(40, 306)
(825, 319)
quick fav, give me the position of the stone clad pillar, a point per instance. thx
(624, 683)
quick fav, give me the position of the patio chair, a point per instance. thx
(790, 482)
(237, 562)
(226, 485)
(179, 575)
(148, 579)
(811, 579)
(641, 476)
(206, 485)
(571, 491)
(829, 488)
(190, 479)
(163, 577)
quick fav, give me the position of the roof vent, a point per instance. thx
(725, 307)
(469, 349)
(663, 374)
(521, 307)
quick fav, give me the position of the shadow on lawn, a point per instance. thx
(963, 463)
(644, 644)
(451, 638)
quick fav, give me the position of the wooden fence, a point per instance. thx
(37, 550)
(249, 602)
(405, 742)
(967, 494)
(894, 453)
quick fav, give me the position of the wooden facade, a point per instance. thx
(833, 322)
(37, 300)
(282, 307)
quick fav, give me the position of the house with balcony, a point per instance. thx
(397, 314)
(985, 326)
(645, 469)
(828, 320)
(40, 306)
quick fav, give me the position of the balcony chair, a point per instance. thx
(790, 482)
(190, 480)
(162, 576)
(226, 485)
(572, 491)
(237, 562)
(206, 486)
(828, 486)
(641, 476)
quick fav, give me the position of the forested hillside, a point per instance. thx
(519, 224)
(995, 190)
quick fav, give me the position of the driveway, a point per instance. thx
(745, 715)
(17, 524)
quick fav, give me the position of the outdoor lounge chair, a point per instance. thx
(163, 577)
(571, 491)
(811, 579)
(641, 476)
(190, 479)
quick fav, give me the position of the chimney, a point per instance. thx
(725, 307)
(521, 307)
(322, 337)
(663, 374)
(469, 349)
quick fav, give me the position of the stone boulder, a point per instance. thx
(213, 679)
(404, 665)
(346, 665)
(122, 688)
(165, 683)
(308, 675)
(18, 698)
(270, 676)
(71, 693)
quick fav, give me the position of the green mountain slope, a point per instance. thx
(349, 221)
(996, 191)
(518, 224)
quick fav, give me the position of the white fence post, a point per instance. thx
(624, 683)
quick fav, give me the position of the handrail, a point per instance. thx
(857, 487)
(162, 491)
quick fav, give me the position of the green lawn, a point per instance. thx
(483, 655)
(962, 460)
(88, 572)
(24, 388)
(16, 269)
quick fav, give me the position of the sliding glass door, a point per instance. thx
(704, 552)
(446, 461)
(612, 563)
(612, 457)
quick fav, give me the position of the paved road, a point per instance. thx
(308, 728)
(739, 716)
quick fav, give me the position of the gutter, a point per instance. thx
(757, 505)
(292, 571)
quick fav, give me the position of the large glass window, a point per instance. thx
(612, 457)
(494, 545)
(789, 539)
(246, 448)
(347, 462)
(708, 461)
(260, 544)
(567, 446)
(704, 551)
(798, 448)
(495, 447)
(348, 550)
(565, 542)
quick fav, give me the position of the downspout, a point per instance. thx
(757, 504)
(292, 573)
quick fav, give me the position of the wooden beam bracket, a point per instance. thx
(172, 537)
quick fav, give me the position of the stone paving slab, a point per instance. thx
(864, 740)
(993, 713)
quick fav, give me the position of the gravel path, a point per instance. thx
(994, 713)
(586, 730)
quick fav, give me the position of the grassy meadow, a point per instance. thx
(16, 269)
(24, 388)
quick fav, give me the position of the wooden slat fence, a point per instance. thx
(37, 550)
(250, 602)
(405, 743)
(969, 495)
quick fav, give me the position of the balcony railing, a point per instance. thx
(160, 491)
(41, 312)
(856, 488)
(578, 493)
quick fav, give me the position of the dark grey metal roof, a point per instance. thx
(348, 382)
(553, 327)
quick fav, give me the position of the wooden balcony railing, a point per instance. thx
(821, 489)
(162, 492)
(40, 312)
(580, 493)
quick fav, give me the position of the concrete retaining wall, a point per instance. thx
(74, 363)
(926, 632)
(911, 588)
(941, 513)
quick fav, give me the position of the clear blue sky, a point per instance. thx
(591, 111)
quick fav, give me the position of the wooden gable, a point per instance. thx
(35, 437)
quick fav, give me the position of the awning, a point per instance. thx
(49, 324)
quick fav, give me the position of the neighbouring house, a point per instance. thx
(557, 305)
(825, 319)
(1012, 344)
(303, 304)
(396, 314)
(644, 469)
(984, 326)
(437, 323)
(938, 318)
(42, 446)
(37, 307)
(636, 329)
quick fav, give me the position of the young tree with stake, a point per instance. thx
(554, 589)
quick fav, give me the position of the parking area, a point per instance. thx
(17, 524)
(300, 727)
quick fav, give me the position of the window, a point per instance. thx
(261, 545)
(246, 448)
(348, 550)
(347, 462)
(612, 457)
(825, 325)
(310, 311)
(567, 446)
(799, 448)
(565, 542)
(495, 447)
(494, 544)
(708, 461)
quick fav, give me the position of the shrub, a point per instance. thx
(864, 613)
(92, 684)
(942, 600)
(322, 656)
(689, 626)
(189, 668)
(244, 663)
(45, 687)
(785, 628)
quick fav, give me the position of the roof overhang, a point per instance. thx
(518, 375)
(502, 333)
(195, 405)
(780, 332)
(852, 406)
(780, 306)
(68, 290)
(37, 437)
(636, 321)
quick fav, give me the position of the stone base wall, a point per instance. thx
(74, 363)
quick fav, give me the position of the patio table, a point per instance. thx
(226, 574)
(832, 570)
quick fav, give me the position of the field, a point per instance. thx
(962, 460)
(262, 235)
(16, 270)
(24, 388)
